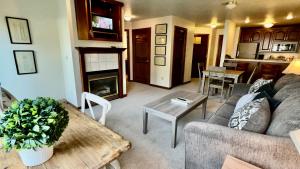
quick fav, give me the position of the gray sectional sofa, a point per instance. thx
(208, 143)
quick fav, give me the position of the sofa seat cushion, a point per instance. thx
(288, 90)
(254, 116)
(215, 119)
(286, 117)
(222, 115)
(232, 100)
(286, 79)
(226, 111)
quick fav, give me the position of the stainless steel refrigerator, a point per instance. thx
(247, 50)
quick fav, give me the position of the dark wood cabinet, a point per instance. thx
(256, 36)
(266, 37)
(266, 41)
(279, 35)
(245, 36)
(99, 20)
(293, 35)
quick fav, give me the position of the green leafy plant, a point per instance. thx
(29, 124)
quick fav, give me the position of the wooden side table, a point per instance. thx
(234, 163)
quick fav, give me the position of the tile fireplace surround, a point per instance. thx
(101, 62)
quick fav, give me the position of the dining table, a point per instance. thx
(230, 74)
(85, 143)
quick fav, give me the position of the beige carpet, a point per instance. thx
(151, 151)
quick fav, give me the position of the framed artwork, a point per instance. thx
(160, 50)
(18, 29)
(160, 60)
(161, 28)
(161, 39)
(25, 62)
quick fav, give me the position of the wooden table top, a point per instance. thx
(84, 144)
(165, 106)
(229, 72)
(234, 163)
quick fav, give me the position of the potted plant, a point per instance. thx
(32, 127)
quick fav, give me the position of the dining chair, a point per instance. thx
(106, 107)
(230, 88)
(230, 65)
(216, 79)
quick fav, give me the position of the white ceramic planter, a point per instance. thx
(36, 157)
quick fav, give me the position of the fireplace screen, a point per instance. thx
(104, 86)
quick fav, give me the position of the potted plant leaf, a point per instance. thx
(32, 127)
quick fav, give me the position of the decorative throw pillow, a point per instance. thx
(254, 116)
(268, 88)
(257, 84)
(247, 98)
(273, 103)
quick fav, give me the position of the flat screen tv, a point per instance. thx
(101, 22)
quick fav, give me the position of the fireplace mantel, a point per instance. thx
(101, 50)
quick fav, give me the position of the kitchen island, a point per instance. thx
(267, 69)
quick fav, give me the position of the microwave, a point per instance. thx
(286, 47)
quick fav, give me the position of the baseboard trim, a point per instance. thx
(162, 87)
(187, 82)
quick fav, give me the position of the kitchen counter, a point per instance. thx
(259, 61)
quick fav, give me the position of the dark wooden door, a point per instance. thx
(127, 62)
(220, 44)
(200, 54)
(141, 45)
(178, 55)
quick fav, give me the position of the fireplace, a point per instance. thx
(104, 84)
(102, 71)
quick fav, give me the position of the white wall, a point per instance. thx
(159, 75)
(71, 62)
(162, 75)
(216, 44)
(43, 23)
(228, 39)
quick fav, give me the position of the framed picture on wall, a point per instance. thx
(161, 28)
(160, 50)
(161, 39)
(160, 60)
(18, 29)
(25, 62)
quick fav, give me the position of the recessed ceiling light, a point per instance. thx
(247, 20)
(127, 18)
(268, 25)
(290, 16)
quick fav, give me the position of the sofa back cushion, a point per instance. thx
(286, 79)
(286, 117)
(287, 90)
(222, 115)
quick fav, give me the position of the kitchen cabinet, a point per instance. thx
(266, 37)
(293, 35)
(266, 41)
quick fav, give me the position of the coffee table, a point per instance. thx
(172, 112)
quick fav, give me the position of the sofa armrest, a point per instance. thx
(240, 89)
(206, 146)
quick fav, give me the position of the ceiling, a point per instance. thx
(203, 11)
